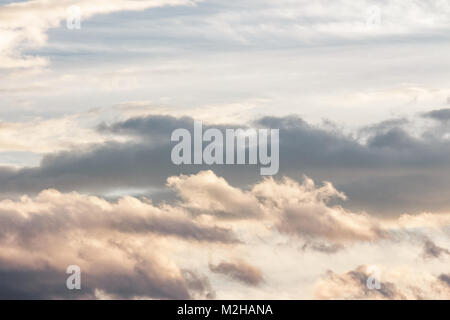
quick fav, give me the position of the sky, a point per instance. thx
(359, 91)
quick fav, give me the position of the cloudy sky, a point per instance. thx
(360, 91)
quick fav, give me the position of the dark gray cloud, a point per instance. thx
(239, 271)
(387, 290)
(391, 172)
(431, 250)
(144, 163)
(353, 285)
(37, 284)
(392, 285)
(383, 126)
(445, 278)
(321, 247)
(144, 281)
(439, 115)
(199, 285)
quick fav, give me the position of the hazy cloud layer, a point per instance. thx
(25, 24)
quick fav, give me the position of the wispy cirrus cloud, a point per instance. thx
(25, 24)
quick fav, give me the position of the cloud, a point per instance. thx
(431, 250)
(442, 115)
(445, 278)
(24, 24)
(239, 271)
(395, 284)
(205, 192)
(293, 208)
(390, 159)
(121, 247)
(199, 285)
(132, 248)
(52, 211)
(321, 247)
(301, 209)
(423, 220)
(38, 136)
(107, 269)
(289, 23)
(296, 209)
(384, 158)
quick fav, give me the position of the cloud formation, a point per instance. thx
(383, 158)
(397, 284)
(431, 250)
(129, 248)
(121, 247)
(239, 271)
(25, 24)
(442, 115)
(375, 191)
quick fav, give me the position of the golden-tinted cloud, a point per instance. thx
(130, 248)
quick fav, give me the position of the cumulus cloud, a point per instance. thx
(121, 247)
(239, 271)
(298, 209)
(126, 248)
(205, 192)
(301, 209)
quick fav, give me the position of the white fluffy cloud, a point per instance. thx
(297, 209)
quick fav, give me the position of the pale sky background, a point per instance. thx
(336, 61)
